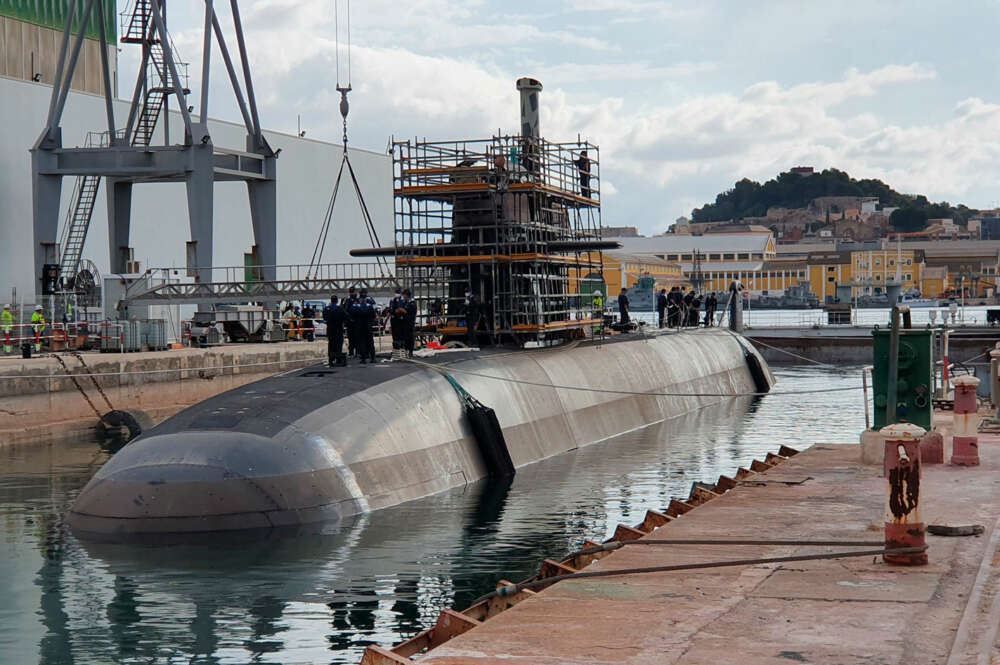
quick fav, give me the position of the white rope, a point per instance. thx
(437, 368)
(794, 355)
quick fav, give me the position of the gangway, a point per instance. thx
(294, 282)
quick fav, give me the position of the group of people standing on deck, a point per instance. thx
(676, 309)
(355, 315)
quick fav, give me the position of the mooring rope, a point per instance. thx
(512, 589)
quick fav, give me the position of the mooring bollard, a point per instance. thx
(903, 527)
(932, 448)
(965, 430)
(995, 380)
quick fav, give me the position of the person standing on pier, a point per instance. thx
(335, 318)
(6, 326)
(38, 324)
(623, 304)
(661, 306)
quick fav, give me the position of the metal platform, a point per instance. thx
(295, 282)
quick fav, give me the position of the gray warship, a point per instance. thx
(516, 219)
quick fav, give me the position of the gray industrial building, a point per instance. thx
(160, 230)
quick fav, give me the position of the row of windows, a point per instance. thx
(787, 274)
(738, 256)
(878, 262)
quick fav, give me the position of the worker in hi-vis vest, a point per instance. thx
(38, 324)
(6, 326)
(598, 304)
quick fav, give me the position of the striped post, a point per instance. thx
(965, 431)
(903, 527)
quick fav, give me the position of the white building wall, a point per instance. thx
(306, 172)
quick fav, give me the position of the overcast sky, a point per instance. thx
(684, 98)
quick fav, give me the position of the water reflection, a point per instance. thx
(323, 594)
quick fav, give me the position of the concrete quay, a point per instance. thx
(856, 610)
(39, 402)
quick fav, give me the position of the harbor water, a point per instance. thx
(321, 596)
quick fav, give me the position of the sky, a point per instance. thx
(683, 98)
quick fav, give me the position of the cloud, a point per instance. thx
(672, 131)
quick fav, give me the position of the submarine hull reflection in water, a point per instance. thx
(318, 444)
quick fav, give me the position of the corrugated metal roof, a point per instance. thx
(710, 242)
(628, 257)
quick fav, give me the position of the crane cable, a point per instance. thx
(320, 246)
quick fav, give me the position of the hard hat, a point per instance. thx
(597, 292)
(38, 309)
(6, 306)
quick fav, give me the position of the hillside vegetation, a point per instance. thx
(790, 190)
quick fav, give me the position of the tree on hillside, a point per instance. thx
(908, 220)
(791, 190)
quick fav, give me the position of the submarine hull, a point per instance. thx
(319, 444)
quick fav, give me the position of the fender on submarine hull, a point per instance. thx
(319, 444)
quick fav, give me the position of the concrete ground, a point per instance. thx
(849, 611)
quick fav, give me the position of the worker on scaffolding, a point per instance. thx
(7, 325)
(38, 325)
(583, 164)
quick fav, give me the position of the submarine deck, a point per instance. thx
(266, 406)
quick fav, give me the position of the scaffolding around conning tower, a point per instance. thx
(515, 218)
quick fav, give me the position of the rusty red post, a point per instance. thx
(965, 431)
(903, 527)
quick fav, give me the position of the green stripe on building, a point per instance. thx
(52, 14)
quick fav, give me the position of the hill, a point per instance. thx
(792, 190)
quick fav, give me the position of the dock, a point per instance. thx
(852, 610)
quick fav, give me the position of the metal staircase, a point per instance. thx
(78, 216)
(135, 29)
(152, 103)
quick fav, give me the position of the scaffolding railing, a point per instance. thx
(500, 216)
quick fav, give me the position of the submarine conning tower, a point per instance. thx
(516, 218)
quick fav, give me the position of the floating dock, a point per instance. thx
(854, 610)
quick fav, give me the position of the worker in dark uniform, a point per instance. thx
(661, 306)
(675, 303)
(396, 315)
(308, 322)
(711, 304)
(363, 313)
(623, 304)
(409, 322)
(686, 308)
(583, 164)
(335, 318)
(471, 316)
(348, 306)
(695, 311)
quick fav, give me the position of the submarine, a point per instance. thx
(515, 220)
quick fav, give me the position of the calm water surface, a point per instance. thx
(321, 597)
